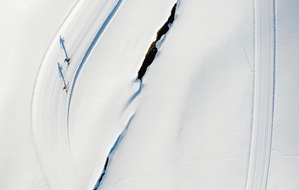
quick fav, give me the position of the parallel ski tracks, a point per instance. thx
(260, 150)
(50, 103)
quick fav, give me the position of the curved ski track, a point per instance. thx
(81, 29)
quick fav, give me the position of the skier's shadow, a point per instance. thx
(62, 45)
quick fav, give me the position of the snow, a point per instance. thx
(180, 145)
(284, 162)
(26, 29)
(263, 104)
(110, 69)
(200, 119)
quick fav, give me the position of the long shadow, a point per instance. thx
(62, 45)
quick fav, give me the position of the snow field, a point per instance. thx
(203, 117)
(180, 143)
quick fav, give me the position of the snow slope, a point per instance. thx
(101, 106)
(182, 135)
(50, 103)
(284, 164)
(217, 108)
(27, 28)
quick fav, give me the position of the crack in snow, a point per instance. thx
(153, 49)
(149, 58)
(111, 152)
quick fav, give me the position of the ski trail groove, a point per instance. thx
(88, 51)
(260, 150)
(33, 131)
(49, 104)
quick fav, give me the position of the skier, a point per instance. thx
(68, 60)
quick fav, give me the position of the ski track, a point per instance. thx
(90, 48)
(264, 77)
(34, 135)
(50, 104)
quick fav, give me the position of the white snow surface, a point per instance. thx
(217, 109)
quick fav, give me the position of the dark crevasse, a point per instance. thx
(153, 49)
(149, 58)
